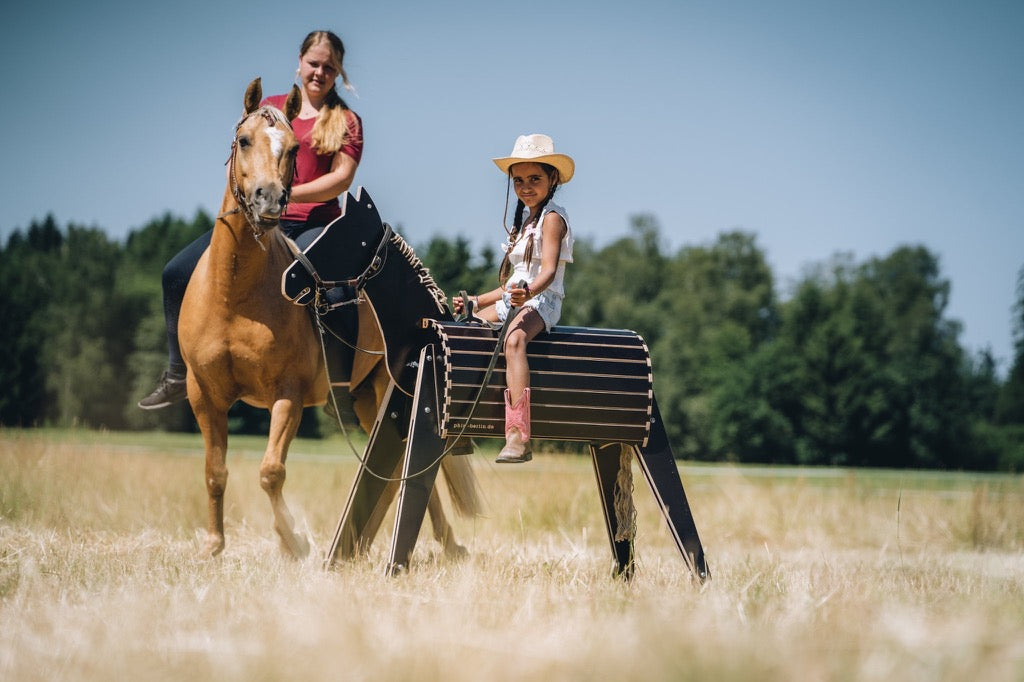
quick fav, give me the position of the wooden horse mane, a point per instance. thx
(423, 275)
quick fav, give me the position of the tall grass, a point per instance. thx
(817, 574)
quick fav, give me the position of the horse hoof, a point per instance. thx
(212, 548)
(456, 551)
(297, 547)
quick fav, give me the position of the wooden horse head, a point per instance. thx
(262, 162)
(361, 251)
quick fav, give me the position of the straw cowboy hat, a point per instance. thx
(538, 149)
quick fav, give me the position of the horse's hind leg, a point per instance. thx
(464, 495)
(284, 422)
(443, 532)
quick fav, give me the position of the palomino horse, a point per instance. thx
(242, 340)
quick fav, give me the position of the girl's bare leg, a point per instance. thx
(525, 327)
(517, 377)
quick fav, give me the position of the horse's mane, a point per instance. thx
(422, 273)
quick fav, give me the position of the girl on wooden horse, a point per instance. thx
(532, 274)
(330, 139)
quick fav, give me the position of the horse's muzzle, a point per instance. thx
(268, 202)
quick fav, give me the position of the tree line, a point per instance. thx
(857, 365)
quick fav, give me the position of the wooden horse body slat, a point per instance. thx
(573, 373)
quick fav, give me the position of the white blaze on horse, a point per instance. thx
(242, 340)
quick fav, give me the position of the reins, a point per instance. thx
(502, 332)
(321, 306)
(372, 269)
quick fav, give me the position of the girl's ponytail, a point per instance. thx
(331, 128)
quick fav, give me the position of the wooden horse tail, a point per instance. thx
(462, 485)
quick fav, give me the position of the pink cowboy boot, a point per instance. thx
(517, 430)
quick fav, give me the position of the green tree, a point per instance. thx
(700, 312)
(455, 269)
(25, 291)
(617, 286)
(1010, 406)
(89, 331)
(879, 378)
(717, 306)
(833, 396)
(147, 251)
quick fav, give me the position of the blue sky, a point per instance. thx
(821, 127)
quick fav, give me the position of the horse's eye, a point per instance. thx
(243, 141)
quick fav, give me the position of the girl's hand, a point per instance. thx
(460, 305)
(519, 294)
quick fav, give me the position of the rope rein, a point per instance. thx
(503, 331)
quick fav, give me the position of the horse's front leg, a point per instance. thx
(285, 415)
(213, 424)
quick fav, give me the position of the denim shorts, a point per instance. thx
(549, 308)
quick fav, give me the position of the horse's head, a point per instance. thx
(263, 158)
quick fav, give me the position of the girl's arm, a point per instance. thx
(330, 184)
(554, 230)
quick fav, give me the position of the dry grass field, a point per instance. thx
(817, 575)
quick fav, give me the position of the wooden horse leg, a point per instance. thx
(659, 467)
(606, 459)
(285, 415)
(370, 497)
(422, 460)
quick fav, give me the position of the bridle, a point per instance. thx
(372, 269)
(244, 206)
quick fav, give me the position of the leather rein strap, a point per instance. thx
(372, 269)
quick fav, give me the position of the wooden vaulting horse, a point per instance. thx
(241, 340)
(445, 382)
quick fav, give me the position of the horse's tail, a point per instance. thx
(462, 485)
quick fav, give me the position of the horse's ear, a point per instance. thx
(293, 104)
(253, 95)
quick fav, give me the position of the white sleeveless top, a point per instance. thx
(529, 270)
